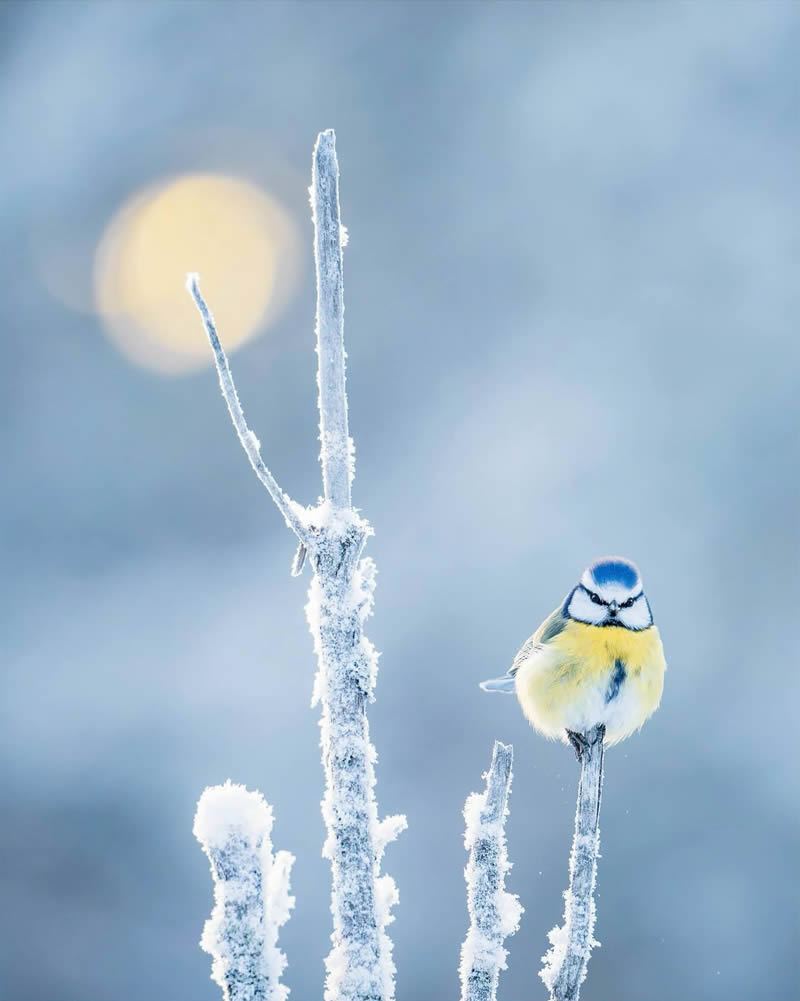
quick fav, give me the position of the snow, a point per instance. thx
(220, 806)
(251, 893)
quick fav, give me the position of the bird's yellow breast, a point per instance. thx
(589, 674)
(595, 648)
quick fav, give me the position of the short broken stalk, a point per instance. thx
(251, 893)
(494, 914)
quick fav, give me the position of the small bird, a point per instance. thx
(596, 661)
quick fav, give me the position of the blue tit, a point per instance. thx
(597, 660)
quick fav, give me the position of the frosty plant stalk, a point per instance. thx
(570, 945)
(332, 536)
(340, 599)
(251, 893)
(493, 913)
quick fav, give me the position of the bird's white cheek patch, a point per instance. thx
(582, 608)
(637, 616)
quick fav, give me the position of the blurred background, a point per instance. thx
(572, 308)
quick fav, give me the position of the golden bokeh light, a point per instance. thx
(239, 240)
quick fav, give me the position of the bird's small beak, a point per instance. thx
(613, 607)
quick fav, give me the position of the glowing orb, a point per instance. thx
(240, 241)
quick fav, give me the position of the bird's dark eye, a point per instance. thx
(596, 598)
(628, 603)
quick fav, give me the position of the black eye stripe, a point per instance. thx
(595, 597)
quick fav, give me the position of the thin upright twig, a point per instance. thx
(336, 447)
(571, 944)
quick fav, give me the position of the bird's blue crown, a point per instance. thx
(615, 570)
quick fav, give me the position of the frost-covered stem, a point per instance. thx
(359, 965)
(288, 508)
(334, 437)
(571, 944)
(251, 893)
(332, 537)
(340, 598)
(494, 914)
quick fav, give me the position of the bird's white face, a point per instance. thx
(610, 594)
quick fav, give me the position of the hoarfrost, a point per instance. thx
(251, 893)
(332, 536)
(494, 913)
(360, 963)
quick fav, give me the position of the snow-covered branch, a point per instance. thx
(292, 512)
(340, 599)
(571, 944)
(494, 914)
(251, 893)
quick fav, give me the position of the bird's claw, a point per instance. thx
(579, 744)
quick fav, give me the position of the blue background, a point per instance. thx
(572, 309)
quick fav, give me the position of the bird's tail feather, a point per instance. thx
(504, 685)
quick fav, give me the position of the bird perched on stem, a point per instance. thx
(597, 661)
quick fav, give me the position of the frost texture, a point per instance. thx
(359, 966)
(337, 451)
(292, 513)
(494, 914)
(571, 944)
(340, 599)
(251, 893)
(332, 537)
